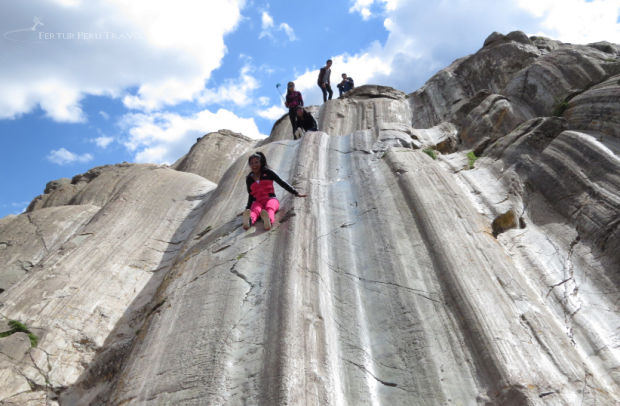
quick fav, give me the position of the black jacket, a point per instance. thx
(306, 122)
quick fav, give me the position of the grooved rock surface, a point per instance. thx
(490, 69)
(386, 285)
(92, 290)
(28, 238)
(597, 108)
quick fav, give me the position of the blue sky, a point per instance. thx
(88, 83)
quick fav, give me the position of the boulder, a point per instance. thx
(212, 154)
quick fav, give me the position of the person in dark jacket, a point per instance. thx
(305, 122)
(262, 200)
(323, 80)
(293, 100)
(345, 85)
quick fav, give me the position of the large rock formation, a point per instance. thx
(391, 283)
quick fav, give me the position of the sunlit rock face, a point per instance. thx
(411, 274)
(213, 153)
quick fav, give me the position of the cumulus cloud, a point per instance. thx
(365, 7)
(238, 91)
(163, 137)
(362, 7)
(268, 30)
(103, 141)
(425, 37)
(272, 113)
(576, 21)
(288, 31)
(266, 22)
(110, 47)
(363, 68)
(63, 156)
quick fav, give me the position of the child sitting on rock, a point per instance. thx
(261, 194)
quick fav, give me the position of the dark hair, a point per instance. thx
(328, 61)
(288, 87)
(261, 159)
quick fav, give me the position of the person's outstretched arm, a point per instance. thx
(273, 176)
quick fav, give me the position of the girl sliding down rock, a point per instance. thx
(261, 195)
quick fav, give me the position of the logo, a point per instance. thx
(34, 34)
(28, 34)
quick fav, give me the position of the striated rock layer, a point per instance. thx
(388, 284)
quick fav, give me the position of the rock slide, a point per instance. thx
(387, 285)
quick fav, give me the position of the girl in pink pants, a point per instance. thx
(261, 194)
(270, 207)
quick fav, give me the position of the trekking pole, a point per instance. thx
(279, 91)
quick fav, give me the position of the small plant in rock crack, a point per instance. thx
(430, 152)
(17, 327)
(559, 107)
(471, 159)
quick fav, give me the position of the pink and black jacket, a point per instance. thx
(294, 100)
(262, 189)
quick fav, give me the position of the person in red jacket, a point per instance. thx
(261, 194)
(293, 100)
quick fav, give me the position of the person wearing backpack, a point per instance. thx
(345, 85)
(262, 200)
(305, 122)
(323, 80)
(293, 100)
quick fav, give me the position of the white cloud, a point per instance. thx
(288, 31)
(363, 68)
(105, 115)
(164, 51)
(267, 20)
(61, 103)
(272, 113)
(103, 141)
(238, 91)
(63, 157)
(364, 6)
(576, 21)
(267, 25)
(424, 37)
(263, 100)
(164, 137)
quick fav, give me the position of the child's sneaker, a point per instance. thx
(266, 221)
(247, 220)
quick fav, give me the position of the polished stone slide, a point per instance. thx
(459, 245)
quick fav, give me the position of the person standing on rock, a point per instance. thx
(293, 100)
(323, 80)
(304, 122)
(262, 200)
